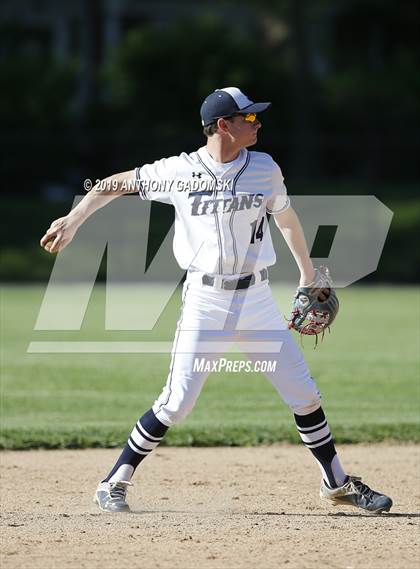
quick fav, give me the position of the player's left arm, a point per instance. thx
(288, 223)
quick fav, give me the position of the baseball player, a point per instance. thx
(222, 240)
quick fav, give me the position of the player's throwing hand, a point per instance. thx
(59, 235)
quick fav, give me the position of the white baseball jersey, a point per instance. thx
(221, 225)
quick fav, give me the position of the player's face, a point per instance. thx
(243, 129)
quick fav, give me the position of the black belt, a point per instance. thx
(236, 284)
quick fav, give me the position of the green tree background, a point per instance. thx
(342, 76)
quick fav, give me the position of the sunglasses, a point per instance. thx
(248, 117)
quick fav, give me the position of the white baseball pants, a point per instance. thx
(212, 319)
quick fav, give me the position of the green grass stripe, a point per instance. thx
(23, 439)
(366, 369)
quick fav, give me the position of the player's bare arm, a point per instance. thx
(291, 229)
(63, 229)
(288, 223)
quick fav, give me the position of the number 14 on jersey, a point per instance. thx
(257, 233)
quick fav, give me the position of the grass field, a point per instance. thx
(367, 370)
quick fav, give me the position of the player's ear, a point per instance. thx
(222, 125)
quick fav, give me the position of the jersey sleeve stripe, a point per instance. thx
(286, 205)
(142, 191)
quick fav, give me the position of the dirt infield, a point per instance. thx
(207, 508)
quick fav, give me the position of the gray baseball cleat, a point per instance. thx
(355, 493)
(110, 496)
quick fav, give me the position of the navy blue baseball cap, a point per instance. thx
(227, 102)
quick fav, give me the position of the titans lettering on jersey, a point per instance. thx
(202, 205)
(221, 224)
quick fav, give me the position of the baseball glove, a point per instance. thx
(314, 306)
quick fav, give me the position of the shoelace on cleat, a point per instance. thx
(356, 485)
(118, 491)
(364, 489)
